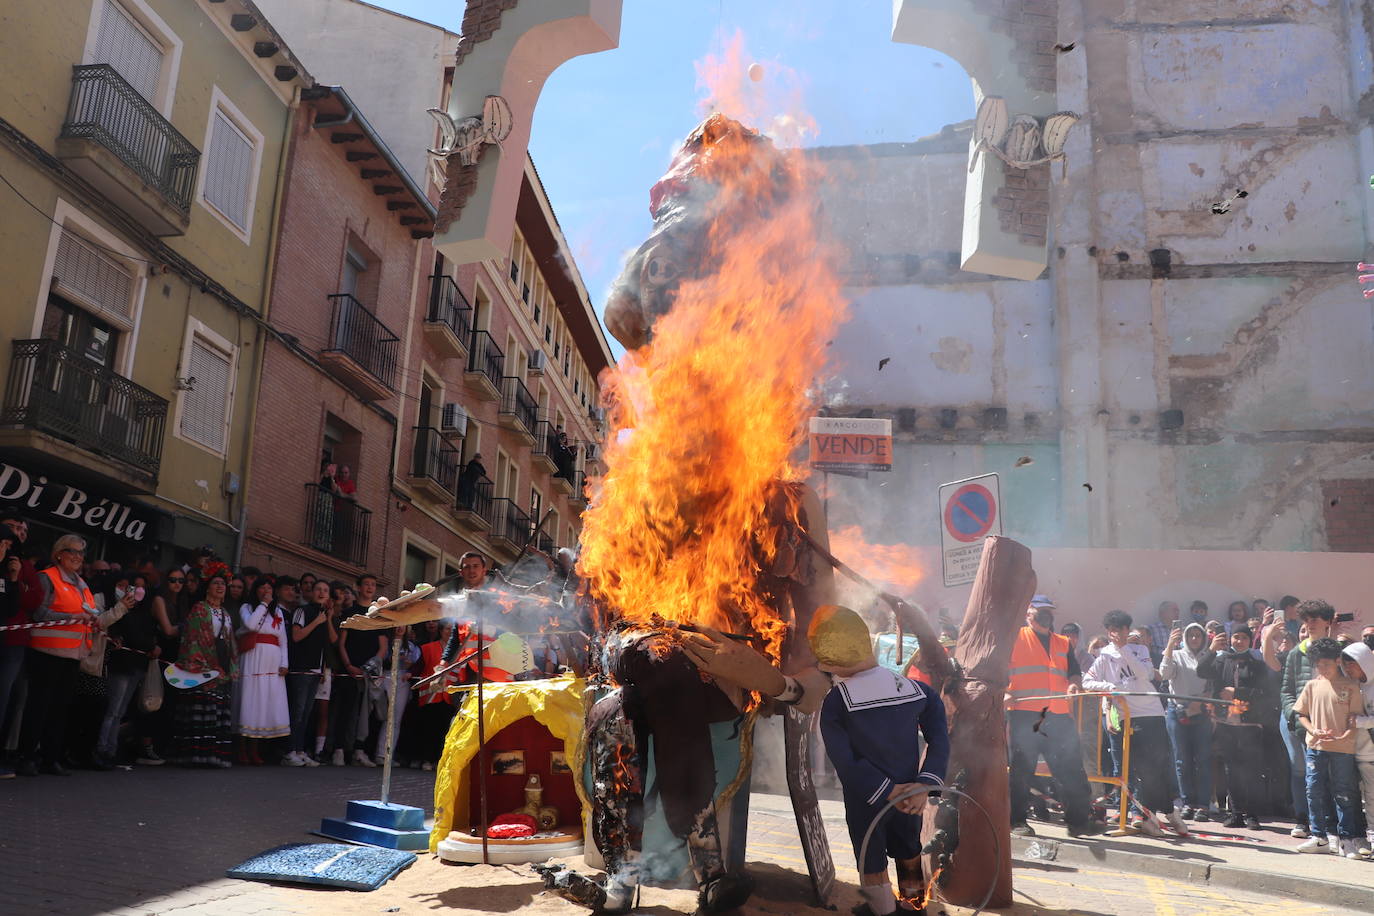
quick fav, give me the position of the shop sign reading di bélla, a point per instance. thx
(65, 505)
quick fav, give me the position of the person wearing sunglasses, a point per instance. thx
(54, 656)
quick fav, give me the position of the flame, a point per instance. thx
(893, 567)
(707, 416)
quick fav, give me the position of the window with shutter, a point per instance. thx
(229, 170)
(123, 44)
(92, 278)
(205, 407)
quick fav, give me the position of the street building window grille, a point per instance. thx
(94, 279)
(123, 44)
(205, 404)
(229, 170)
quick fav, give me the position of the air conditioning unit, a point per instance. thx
(454, 419)
(590, 450)
(537, 362)
(599, 414)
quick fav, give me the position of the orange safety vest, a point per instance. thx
(67, 601)
(1035, 673)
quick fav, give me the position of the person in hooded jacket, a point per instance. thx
(1189, 722)
(1358, 661)
(1245, 682)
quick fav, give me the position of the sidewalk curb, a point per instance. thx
(1330, 893)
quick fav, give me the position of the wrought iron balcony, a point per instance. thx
(578, 496)
(545, 542)
(519, 409)
(545, 445)
(474, 503)
(448, 324)
(434, 463)
(512, 526)
(336, 525)
(55, 390)
(486, 366)
(106, 111)
(362, 352)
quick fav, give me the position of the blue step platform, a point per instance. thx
(376, 823)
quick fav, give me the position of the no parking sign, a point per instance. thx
(970, 510)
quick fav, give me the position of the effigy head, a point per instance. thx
(688, 203)
(839, 638)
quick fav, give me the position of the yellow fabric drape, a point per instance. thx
(555, 703)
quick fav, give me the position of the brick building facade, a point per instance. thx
(343, 278)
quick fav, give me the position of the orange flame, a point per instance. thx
(708, 415)
(894, 567)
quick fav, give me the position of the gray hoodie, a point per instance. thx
(1365, 656)
(1179, 667)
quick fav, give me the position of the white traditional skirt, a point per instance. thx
(262, 708)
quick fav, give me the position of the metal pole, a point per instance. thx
(482, 744)
(391, 717)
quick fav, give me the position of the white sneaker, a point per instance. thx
(1299, 832)
(1176, 822)
(1148, 826)
(293, 759)
(361, 759)
(307, 760)
(338, 758)
(1313, 844)
(427, 767)
(1348, 847)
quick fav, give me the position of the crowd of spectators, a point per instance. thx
(201, 665)
(1264, 715)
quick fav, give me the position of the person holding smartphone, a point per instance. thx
(1189, 722)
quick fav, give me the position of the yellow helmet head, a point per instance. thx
(839, 637)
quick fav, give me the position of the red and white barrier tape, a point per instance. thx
(46, 623)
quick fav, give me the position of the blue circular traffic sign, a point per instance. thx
(970, 512)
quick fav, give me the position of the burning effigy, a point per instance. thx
(700, 520)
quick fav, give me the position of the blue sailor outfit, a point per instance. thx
(872, 723)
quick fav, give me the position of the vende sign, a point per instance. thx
(65, 506)
(851, 444)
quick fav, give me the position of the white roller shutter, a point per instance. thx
(123, 44)
(204, 409)
(94, 280)
(229, 170)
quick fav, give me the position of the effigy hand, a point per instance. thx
(735, 662)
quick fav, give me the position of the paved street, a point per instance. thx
(158, 842)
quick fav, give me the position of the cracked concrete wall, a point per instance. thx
(1248, 321)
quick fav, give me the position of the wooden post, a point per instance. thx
(977, 721)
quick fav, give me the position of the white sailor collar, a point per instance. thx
(874, 688)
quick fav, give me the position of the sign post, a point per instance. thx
(970, 510)
(851, 444)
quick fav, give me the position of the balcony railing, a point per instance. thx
(356, 333)
(435, 459)
(517, 401)
(545, 543)
(106, 109)
(485, 356)
(336, 525)
(579, 487)
(511, 522)
(448, 305)
(475, 496)
(55, 390)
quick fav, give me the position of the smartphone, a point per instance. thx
(1344, 618)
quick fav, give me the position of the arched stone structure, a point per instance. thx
(509, 49)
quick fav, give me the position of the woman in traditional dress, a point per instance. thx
(204, 714)
(262, 707)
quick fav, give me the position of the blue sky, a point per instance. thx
(608, 123)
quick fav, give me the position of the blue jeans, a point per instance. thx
(11, 667)
(120, 688)
(300, 701)
(1332, 778)
(1192, 743)
(1297, 766)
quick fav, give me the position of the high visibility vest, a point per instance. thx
(1036, 673)
(67, 601)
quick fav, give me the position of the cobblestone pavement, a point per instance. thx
(157, 841)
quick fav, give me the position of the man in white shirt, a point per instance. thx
(1125, 668)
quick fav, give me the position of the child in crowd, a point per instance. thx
(870, 723)
(1326, 709)
(1357, 660)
